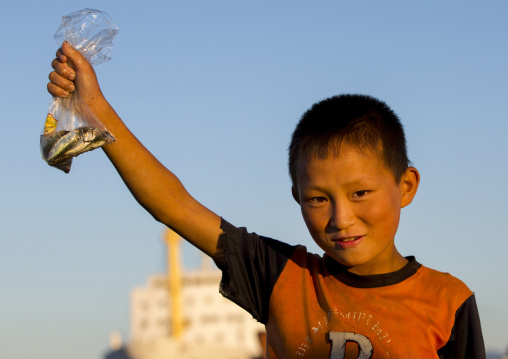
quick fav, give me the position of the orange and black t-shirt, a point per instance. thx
(313, 308)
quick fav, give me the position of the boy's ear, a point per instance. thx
(294, 191)
(409, 185)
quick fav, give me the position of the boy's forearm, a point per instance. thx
(153, 186)
(139, 169)
(156, 188)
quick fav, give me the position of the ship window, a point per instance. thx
(219, 337)
(209, 319)
(143, 305)
(208, 299)
(143, 324)
(162, 303)
(240, 336)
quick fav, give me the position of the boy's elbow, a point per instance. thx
(159, 216)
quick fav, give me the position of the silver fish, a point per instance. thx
(92, 138)
(58, 148)
(86, 138)
(61, 146)
(47, 141)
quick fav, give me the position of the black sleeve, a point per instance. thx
(250, 266)
(466, 339)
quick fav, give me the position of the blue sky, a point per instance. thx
(214, 90)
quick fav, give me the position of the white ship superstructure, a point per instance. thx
(181, 314)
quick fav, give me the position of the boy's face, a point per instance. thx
(351, 205)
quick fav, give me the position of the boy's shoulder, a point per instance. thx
(444, 286)
(440, 277)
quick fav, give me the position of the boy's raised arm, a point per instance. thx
(157, 189)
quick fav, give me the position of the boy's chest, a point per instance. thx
(322, 318)
(346, 332)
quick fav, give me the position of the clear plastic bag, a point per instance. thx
(71, 128)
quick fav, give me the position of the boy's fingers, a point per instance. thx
(73, 57)
(72, 71)
(63, 69)
(57, 91)
(60, 56)
(62, 82)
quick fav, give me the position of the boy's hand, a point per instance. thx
(73, 72)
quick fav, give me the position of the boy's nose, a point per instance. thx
(342, 216)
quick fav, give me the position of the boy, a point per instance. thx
(351, 177)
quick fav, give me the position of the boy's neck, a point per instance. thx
(394, 264)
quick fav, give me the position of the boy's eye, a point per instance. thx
(359, 194)
(318, 199)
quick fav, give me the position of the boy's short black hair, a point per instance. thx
(358, 120)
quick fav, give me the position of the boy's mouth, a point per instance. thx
(348, 242)
(349, 239)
